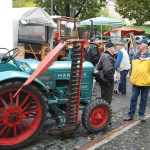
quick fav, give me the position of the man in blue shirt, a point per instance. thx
(123, 66)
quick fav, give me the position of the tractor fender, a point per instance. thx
(7, 75)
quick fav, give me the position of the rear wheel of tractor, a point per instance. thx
(21, 118)
(96, 116)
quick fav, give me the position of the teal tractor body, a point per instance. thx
(57, 91)
(56, 78)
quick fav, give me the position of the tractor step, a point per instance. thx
(67, 129)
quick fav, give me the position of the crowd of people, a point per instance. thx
(138, 68)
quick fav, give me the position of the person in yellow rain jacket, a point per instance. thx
(140, 79)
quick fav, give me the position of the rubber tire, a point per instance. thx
(87, 113)
(42, 99)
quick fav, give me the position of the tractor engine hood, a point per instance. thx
(58, 68)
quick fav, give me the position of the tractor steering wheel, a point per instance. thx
(7, 56)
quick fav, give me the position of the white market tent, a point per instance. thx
(32, 16)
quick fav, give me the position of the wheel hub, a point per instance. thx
(98, 117)
(13, 116)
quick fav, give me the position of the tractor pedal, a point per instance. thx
(55, 130)
(70, 128)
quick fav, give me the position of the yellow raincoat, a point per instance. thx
(140, 75)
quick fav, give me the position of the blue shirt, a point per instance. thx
(119, 58)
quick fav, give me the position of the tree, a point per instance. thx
(73, 8)
(23, 3)
(134, 9)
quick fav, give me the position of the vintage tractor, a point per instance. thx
(30, 89)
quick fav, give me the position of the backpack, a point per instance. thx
(91, 54)
(88, 54)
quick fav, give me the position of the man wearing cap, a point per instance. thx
(92, 55)
(106, 68)
(123, 66)
(140, 79)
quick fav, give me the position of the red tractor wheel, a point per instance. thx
(96, 116)
(22, 117)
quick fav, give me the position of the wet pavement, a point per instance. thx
(136, 138)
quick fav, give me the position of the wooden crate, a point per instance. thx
(21, 53)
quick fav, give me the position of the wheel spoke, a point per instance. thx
(2, 110)
(2, 131)
(25, 123)
(27, 105)
(28, 117)
(1, 119)
(4, 103)
(7, 132)
(11, 99)
(20, 127)
(25, 100)
(1, 124)
(31, 111)
(2, 115)
(17, 100)
(15, 131)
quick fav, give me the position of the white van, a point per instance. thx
(140, 37)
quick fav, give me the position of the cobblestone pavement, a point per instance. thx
(136, 138)
(120, 105)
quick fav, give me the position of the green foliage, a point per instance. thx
(23, 3)
(92, 9)
(82, 9)
(134, 9)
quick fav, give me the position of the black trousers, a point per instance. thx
(107, 92)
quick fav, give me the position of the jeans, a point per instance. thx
(136, 90)
(122, 83)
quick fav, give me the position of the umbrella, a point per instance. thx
(125, 31)
(101, 21)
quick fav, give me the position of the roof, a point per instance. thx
(33, 16)
(146, 28)
(125, 31)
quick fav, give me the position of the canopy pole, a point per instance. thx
(51, 7)
(101, 32)
(91, 33)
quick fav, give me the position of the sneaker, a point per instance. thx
(142, 118)
(128, 118)
(116, 91)
(119, 93)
